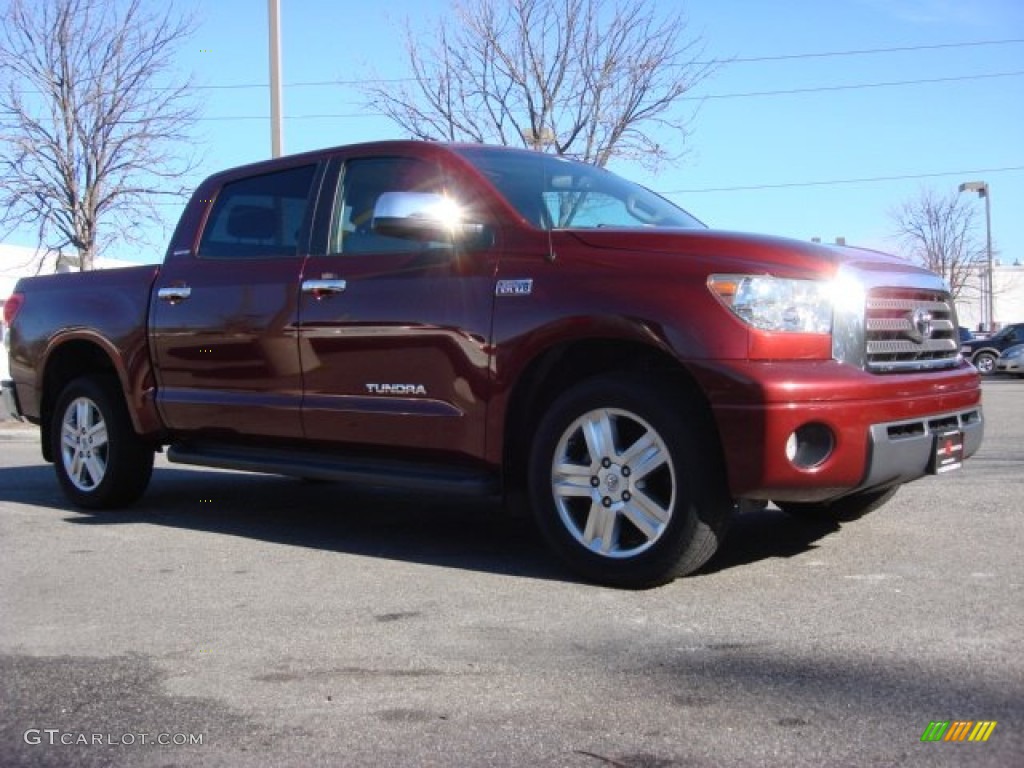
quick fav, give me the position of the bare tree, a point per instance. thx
(93, 126)
(938, 233)
(583, 78)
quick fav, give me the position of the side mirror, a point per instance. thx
(423, 216)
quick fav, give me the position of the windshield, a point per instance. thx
(555, 193)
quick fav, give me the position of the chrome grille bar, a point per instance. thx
(908, 329)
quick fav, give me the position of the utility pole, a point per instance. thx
(981, 187)
(276, 132)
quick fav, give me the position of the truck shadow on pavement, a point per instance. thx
(765, 535)
(469, 535)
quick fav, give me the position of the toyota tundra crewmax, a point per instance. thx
(466, 320)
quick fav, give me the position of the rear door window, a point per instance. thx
(259, 217)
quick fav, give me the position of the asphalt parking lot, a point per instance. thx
(249, 620)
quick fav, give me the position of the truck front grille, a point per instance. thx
(910, 329)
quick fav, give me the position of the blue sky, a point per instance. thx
(744, 151)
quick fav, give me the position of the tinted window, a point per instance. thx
(556, 193)
(362, 183)
(258, 217)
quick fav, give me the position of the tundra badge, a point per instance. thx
(396, 389)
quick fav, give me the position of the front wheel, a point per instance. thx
(842, 510)
(626, 483)
(985, 362)
(100, 462)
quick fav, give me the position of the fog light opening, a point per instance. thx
(810, 445)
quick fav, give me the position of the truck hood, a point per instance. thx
(758, 253)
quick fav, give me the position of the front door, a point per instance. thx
(394, 332)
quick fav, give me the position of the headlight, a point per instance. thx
(777, 304)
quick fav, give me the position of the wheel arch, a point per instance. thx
(69, 358)
(557, 368)
(989, 351)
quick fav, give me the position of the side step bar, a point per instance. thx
(397, 475)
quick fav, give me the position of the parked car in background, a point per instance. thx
(965, 334)
(983, 353)
(1011, 360)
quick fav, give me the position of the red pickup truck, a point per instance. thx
(474, 320)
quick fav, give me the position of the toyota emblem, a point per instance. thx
(920, 325)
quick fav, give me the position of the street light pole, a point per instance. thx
(981, 187)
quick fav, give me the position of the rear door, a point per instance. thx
(394, 333)
(224, 317)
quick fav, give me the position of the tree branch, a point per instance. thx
(90, 132)
(582, 78)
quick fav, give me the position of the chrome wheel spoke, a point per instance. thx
(83, 414)
(570, 469)
(601, 533)
(640, 451)
(571, 480)
(75, 466)
(97, 435)
(648, 460)
(646, 514)
(599, 435)
(95, 469)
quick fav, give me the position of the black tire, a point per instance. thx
(100, 462)
(844, 509)
(985, 362)
(629, 526)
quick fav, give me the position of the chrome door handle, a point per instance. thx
(174, 294)
(321, 288)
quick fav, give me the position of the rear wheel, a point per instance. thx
(985, 362)
(844, 509)
(100, 461)
(626, 484)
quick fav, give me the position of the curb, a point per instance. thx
(19, 432)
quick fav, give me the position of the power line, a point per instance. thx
(853, 86)
(834, 182)
(868, 51)
(708, 97)
(740, 60)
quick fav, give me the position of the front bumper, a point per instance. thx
(882, 428)
(9, 397)
(904, 451)
(1010, 365)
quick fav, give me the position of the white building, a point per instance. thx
(1007, 296)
